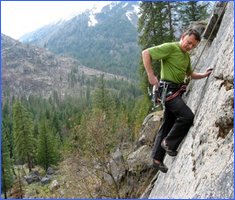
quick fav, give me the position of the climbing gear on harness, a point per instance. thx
(166, 92)
(187, 79)
(155, 96)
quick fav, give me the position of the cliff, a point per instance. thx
(204, 167)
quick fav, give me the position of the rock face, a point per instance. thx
(140, 159)
(204, 167)
(117, 167)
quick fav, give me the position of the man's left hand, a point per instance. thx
(208, 71)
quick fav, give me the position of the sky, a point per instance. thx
(21, 17)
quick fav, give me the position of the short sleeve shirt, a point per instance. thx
(175, 63)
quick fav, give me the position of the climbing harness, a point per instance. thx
(166, 92)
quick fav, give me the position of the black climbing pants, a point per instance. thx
(177, 120)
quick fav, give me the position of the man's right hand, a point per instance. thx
(153, 80)
(148, 67)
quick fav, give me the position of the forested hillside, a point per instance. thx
(49, 102)
(39, 131)
(106, 40)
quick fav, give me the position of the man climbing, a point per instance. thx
(178, 117)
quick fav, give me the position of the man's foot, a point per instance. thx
(169, 151)
(160, 166)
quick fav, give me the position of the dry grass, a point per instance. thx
(75, 180)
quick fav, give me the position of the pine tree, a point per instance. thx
(23, 137)
(155, 23)
(122, 128)
(56, 125)
(7, 163)
(155, 26)
(47, 151)
(99, 98)
(7, 119)
(192, 11)
(140, 111)
(102, 99)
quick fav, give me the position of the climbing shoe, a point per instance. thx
(169, 151)
(160, 166)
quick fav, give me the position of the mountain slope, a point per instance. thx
(28, 70)
(106, 41)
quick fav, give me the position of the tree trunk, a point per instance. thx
(170, 20)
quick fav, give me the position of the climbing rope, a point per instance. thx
(217, 21)
(203, 93)
(188, 79)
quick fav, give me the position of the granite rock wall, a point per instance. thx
(204, 167)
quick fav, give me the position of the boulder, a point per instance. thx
(140, 159)
(54, 185)
(150, 127)
(33, 177)
(50, 171)
(117, 167)
(45, 180)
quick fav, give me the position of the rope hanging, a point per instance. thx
(210, 35)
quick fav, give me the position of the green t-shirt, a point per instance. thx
(175, 63)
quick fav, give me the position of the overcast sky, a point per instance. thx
(20, 17)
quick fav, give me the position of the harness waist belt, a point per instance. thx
(175, 85)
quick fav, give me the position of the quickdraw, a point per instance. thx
(160, 99)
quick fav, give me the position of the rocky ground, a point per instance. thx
(70, 179)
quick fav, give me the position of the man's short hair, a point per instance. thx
(193, 32)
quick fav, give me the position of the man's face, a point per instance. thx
(188, 43)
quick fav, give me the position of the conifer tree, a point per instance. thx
(7, 163)
(122, 128)
(7, 119)
(35, 130)
(155, 23)
(192, 11)
(79, 137)
(47, 151)
(23, 137)
(155, 26)
(100, 98)
(56, 125)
